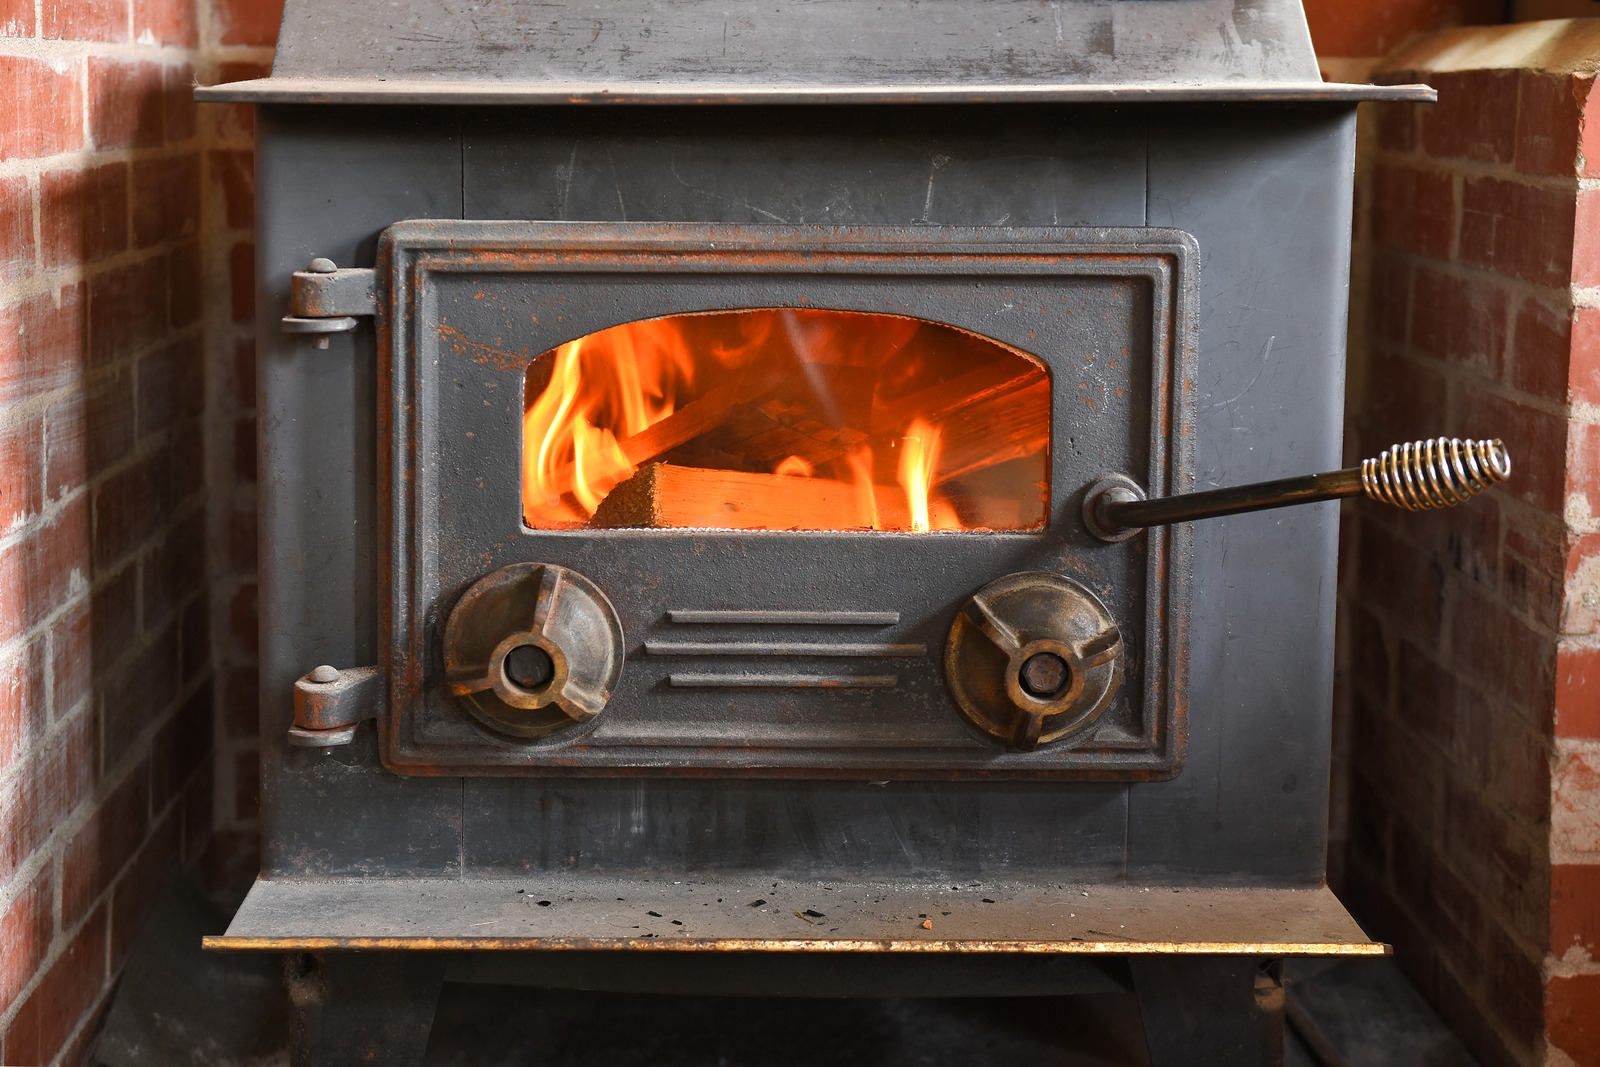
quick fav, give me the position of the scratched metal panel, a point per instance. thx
(735, 46)
(328, 183)
(1020, 166)
(1269, 198)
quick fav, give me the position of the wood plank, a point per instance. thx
(771, 913)
(665, 496)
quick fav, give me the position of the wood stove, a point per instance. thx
(703, 456)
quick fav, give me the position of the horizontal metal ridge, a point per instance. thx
(761, 617)
(779, 648)
(782, 681)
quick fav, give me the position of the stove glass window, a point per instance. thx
(784, 419)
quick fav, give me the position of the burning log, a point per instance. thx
(664, 496)
(986, 416)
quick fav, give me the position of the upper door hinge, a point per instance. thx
(325, 299)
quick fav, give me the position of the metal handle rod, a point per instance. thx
(1118, 511)
(1417, 476)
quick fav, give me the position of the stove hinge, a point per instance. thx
(329, 703)
(326, 299)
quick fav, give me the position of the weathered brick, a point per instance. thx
(244, 449)
(1413, 209)
(165, 21)
(140, 883)
(114, 617)
(1584, 375)
(242, 537)
(1408, 584)
(194, 649)
(1390, 296)
(1475, 116)
(1543, 348)
(1525, 231)
(141, 691)
(1397, 126)
(181, 743)
(172, 386)
(179, 113)
(16, 18)
(44, 95)
(235, 123)
(1459, 319)
(175, 569)
(234, 171)
(242, 625)
(41, 343)
(54, 780)
(1585, 246)
(1549, 113)
(69, 991)
(1575, 804)
(1536, 440)
(16, 227)
(1575, 909)
(21, 471)
(244, 372)
(197, 807)
(126, 105)
(184, 285)
(24, 698)
(83, 214)
(166, 199)
(1583, 468)
(26, 929)
(252, 22)
(240, 708)
(1572, 1016)
(71, 659)
(1403, 393)
(1577, 703)
(41, 572)
(97, 852)
(1426, 695)
(242, 282)
(85, 20)
(127, 310)
(1499, 651)
(65, 457)
(130, 506)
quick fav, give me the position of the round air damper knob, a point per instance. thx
(533, 648)
(1032, 658)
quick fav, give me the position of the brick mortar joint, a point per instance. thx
(91, 156)
(1457, 167)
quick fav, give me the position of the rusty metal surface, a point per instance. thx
(764, 914)
(466, 307)
(816, 51)
(350, 91)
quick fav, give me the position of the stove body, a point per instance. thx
(1176, 257)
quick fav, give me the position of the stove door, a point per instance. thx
(716, 499)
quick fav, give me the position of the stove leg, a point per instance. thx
(1201, 1011)
(348, 1008)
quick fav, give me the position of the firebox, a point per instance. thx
(731, 498)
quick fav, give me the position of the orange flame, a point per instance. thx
(816, 397)
(919, 457)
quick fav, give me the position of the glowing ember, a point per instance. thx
(786, 419)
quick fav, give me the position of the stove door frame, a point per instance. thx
(417, 739)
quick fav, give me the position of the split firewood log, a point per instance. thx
(663, 496)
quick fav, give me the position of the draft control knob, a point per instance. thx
(533, 648)
(1032, 658)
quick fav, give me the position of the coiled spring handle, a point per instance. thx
(1418, 476)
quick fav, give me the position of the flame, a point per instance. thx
(794, 467)
(815, 397)
(860, 461)
(919, 456)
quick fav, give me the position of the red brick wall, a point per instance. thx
(1470, 636)
(118, 203)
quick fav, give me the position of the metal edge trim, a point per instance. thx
(416, 91)
(292, 943)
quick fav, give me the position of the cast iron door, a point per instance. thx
(830, 652)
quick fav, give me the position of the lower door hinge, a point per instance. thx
(329, 703)
(326, 299)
